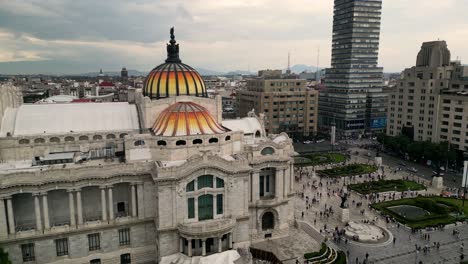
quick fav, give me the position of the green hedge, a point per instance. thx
(385, 186)
(440, 215)
(320, 158)
(341, 258)
(323, 249)
(348, 170)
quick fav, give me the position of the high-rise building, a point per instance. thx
(124, 74)
(353, 98)
(289, 106)
(430, 100)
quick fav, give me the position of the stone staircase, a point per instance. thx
(311, 231)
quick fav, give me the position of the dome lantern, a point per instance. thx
(173, 78)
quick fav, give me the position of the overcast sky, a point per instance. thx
(220, 35)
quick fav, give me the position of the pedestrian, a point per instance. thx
(357, 260)
(394, 240)
(367, 255)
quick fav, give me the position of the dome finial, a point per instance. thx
(173, 49)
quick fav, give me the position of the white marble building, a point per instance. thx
(134, 182)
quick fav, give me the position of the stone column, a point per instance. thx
(220, 244)
(45, 207)
(215, 205)
(3, 219)
(11, 218)
(291, 179)
(103, 203)
(285, 181)
(189, 250)
(255, 186)
(134, 202)
(181, 244)
(141, 203)
(230, 240)
(71, 204)
(37, 211)
(278, 185)
(196, 208)
(111, 203)
(203, 247)
(79, 207)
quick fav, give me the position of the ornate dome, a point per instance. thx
(173, 78)
(185, 119)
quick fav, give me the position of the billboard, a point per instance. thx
(379, 123)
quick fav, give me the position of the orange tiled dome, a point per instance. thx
(184, 119)
(173, 78)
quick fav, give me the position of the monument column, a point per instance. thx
(103, 203)
(79, 207)
(189, 250)
(37, 211)
(3, 219)
(11, 218)
(45, 207)
(71, 204)
(134, 202)
(203, 247)
(111, 203)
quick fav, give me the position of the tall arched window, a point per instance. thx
(205, 207)
(209, 205)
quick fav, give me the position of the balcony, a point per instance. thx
(206, 229)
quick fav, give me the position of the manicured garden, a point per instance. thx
(386, 186)
(439, 211)
(319, 159)
(348, 170)
(326, 255)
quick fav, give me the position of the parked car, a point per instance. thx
(307, 142)
(413, 169)
(320, 141)
(402, 164)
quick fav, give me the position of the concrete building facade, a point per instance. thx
(287, 105)
(429, 100)
(353, 98)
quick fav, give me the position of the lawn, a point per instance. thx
(386, 186)
(319, 159)
(348, 170)
(442, 211)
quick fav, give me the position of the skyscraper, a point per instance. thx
(353, 98)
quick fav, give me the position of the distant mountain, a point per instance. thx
(112, 73)
(206, 72)
(300, 68)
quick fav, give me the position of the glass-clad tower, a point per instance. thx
(353, 97)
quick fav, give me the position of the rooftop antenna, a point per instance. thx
(317, 66)
(288, 71)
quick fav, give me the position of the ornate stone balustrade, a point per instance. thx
(206, 229)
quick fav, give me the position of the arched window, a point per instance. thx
(110, 136)
(123, 135)
(69, 139)
(227, 138)
(197, 141)
(97, 137)
(55, 140)
(213, 140)
(219, 183)
(190, 186)
(39, 140)
(181, 143)
(205, 181)
(24, 141)
(268, 151)
(139, 143)
(162, 143)
(83, 138)
(257, 134)
(268, 221)
(205, 207)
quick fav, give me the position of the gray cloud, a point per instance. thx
(217, 34)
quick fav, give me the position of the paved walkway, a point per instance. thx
(403, 251)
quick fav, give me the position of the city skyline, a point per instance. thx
(85, 36)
